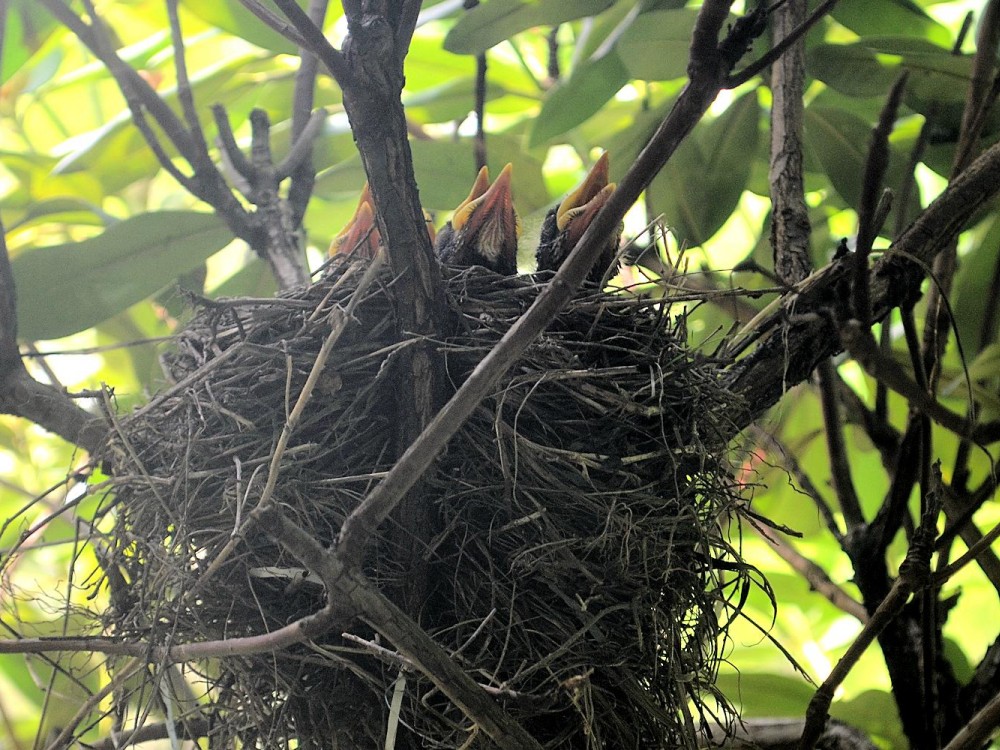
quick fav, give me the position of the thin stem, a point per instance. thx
(758, 66)
(840, 467)
(312, 38)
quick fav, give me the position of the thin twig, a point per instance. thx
(406, 23)
(184, 93)
(806, 485)
(302, 147)
(816, 577)
(876, 164)
(274, 22)
(864, 349)
(977, 732)
(311, 37)
(913, 575)
(303, 177)
(840, 468)
(742, 76)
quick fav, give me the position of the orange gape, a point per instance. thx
(361, 235)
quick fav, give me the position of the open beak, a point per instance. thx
(479, 188)
(586, 213)
(361, 234)
(494, 207)
(576, 202)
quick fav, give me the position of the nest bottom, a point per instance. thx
(575, 556)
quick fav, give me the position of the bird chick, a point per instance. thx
(484, 228)
(361, 235)
(565, 224)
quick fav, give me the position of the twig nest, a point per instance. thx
(578, 554)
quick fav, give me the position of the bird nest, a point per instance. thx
(578, 566)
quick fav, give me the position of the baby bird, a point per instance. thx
(484, 228)
(565, 224)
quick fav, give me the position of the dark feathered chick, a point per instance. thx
(565, 224)
(361, 236)
(484, 228)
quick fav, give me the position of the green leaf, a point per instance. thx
(839, 141)
(937, 84)
(28, 27)
(875, 713)
(702, 183)
(492, 22)
(656, 47)
(890, 17)
(625, 143)
(763, 695)
(68, 288)
(62, 210)
(232, 16)
(973, 285)
(592, 84)
(253, 280)
(447, 102)
(851, 69)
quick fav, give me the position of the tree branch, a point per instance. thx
(840, 468)
(816, 577)
(790, 227)
(311, 37)
(347, 587)
(801, 332)
(738, 79)
(708, 73)
(876, 164)
(914, 573)
(303, 177)
(206, 183)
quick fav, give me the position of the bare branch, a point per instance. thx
(790, 227)
(23, 396)
(707, 78)
(737, 79)
(405, 24)
(206, 183)
(273, 21)
(979, 97)
(302, 147)
(876, 164)
(304, 175)
(977, 732)
(840, 469)
(816, 577)
(864, 349)
(184, 93)
(913, 574)
(311, 37)
(794, 338)
(230, 150)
